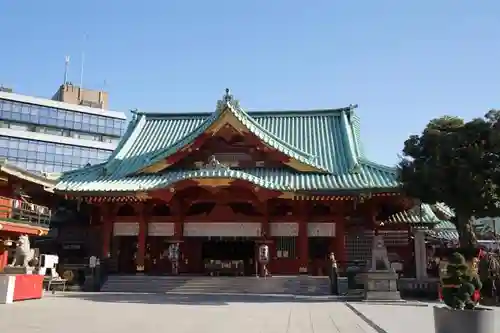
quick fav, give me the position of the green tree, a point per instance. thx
(457, 163)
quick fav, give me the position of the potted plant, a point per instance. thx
(460, 290)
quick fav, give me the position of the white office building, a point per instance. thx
(48, 136)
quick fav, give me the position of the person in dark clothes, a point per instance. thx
(334, 277)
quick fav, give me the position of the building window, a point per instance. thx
(49, 157)
(285, 247)
(36, 114)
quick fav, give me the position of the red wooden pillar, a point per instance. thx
(108, 217)
(265, 238)
(187, 254)
(178, 212)
(4, 257)
(141, 239)
(264, 227)
(340, 250)
(303, 239)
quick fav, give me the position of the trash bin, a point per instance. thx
(352, 282)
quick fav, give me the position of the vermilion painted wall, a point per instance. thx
(28, 287)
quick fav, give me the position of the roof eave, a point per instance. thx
(20, 173)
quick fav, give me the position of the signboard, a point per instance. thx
(221, 229)
(161, 229)
(126, 229)
(321, 229)
(284, 229)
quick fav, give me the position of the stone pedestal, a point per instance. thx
(20, 287)
(18, 270)
(380, 279)
(381, 286)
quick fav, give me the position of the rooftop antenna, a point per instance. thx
(66, 67)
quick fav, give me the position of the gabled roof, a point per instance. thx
(229, 112)
(418, 215)
(325, 140)
(28, 176)
(143, 147)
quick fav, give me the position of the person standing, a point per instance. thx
(334, 278)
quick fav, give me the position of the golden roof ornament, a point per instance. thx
(214, 164)
(227, 99)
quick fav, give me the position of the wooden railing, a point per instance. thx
(18, 211)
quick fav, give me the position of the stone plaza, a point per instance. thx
(105, 312)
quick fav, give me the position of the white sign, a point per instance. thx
(284, 229)
(221, 229)
(161, 229)
(125, 229)
(321, 229)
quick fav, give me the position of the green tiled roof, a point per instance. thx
(327, 139)
(445, 230)
(140, 151)
(421, 214)
(94, 180)
(425, 214)
(443, 210)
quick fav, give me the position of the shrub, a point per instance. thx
(460, 287)
(489, 273)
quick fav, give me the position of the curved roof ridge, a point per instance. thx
(251, 113)
(132, 125)
(376, 165)
(172, 177)
(127, 141)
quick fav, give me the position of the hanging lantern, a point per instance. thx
(364, 196)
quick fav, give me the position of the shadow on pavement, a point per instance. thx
(191, 299)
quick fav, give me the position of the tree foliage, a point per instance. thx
(457, 163)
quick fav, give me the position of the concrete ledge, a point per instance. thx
(397, 302)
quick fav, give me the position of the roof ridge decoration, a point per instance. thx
(228, 111)
(214, 164)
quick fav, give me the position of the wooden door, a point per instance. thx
(157, 256)
(126, 252)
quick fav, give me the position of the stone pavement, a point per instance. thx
(393, 318)
(95, 313)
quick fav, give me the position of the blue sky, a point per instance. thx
(403, 62)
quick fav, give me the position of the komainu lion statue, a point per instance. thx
(24, 254)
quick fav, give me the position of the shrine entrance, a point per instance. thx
(319, 250)
(125, 250)
(234, 256)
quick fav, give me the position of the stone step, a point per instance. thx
(299, 285)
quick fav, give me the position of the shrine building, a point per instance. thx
(23, 207)
(219, 183)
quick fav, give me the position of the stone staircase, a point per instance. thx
(280, 285)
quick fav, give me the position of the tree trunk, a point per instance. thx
(466, 231)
